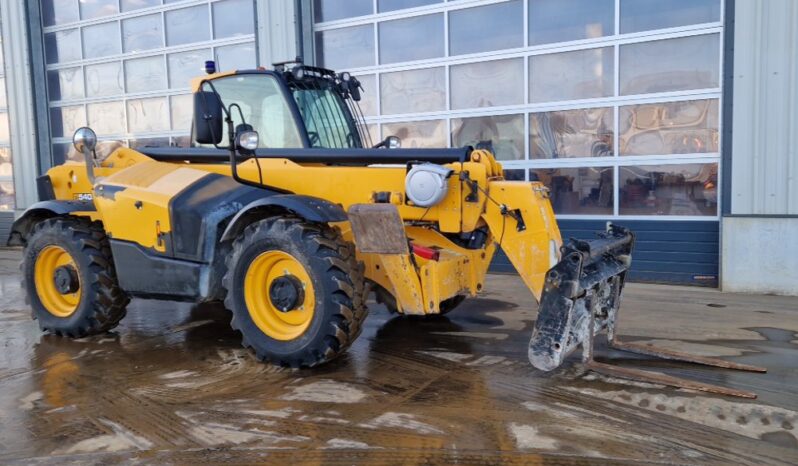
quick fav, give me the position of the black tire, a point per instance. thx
(337, 280)
(385, 298)
(102, 303)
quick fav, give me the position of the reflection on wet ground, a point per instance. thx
(172, 385)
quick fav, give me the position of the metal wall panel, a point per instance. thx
(765, 122)
(6, 219)
(22, 119)
(665, 252)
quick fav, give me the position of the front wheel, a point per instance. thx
(295, 290)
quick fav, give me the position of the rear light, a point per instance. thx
(425, 252)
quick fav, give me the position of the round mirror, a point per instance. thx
(84, 138)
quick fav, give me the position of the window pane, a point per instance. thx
(487, 84)
(565, 20)
(346, 48)
(390, 5)
(59, 11)
(578, 191)
(187, 25)
(90, 9)
(373, 131)
(185, 66)
(581, 74)
(142, 33)
(467, 32)
(182, 109)
(502, 134)
(571, 133)
(104, 79)
(62, 84)
(411, 39)
(368, 94)
(145, 74)
(148, 142)
(7, 195)
(107, 118)
(62, 46)
(330, 10)
(515, 174)
(62, 152)
(65, 120)
(146, 115)
(181, 141)
(5, 162)
(415, 134)
(670, 65)
(413, 91)
(130, 5)
(101, 40)
(689, 127)
(236, 57)
(233, 18)
(642, 15)
(685, 189)
(5, 136)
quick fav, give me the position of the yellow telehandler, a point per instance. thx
(284, 210)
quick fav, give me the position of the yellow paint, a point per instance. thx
(262, 271)
(47, 261)
(404, 283)
(527, 250)
(140, 212)
(348, 185)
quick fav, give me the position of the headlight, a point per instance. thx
(248, 140)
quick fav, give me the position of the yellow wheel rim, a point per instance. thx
(261, 274)
(58, 304)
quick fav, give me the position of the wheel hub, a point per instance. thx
(56, 278)
(286, 293)
(65, 279)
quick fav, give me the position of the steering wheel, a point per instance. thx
(313, 136)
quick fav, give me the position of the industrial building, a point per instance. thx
(676, 118)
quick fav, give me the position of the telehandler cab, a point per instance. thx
(284, 210)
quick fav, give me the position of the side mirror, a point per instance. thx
(84, 139)
(207, 118)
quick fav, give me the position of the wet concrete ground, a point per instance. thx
(172, 385)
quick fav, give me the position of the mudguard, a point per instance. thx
(40, 211)
(309, 208)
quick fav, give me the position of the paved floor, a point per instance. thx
(172, 385)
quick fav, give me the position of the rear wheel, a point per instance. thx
(69, 278)
(295, 290)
